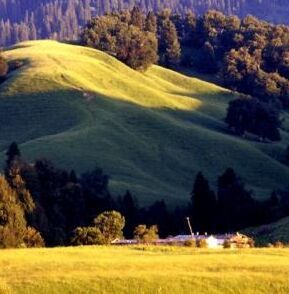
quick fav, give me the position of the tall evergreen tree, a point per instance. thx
(128, 208)
(207, 61)
(151, 23)
(13, 175)
(169, 46)
(235, 203)
(13, 156)
(203, 205)
(137, 17)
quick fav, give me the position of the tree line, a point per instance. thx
(41, 204)
(39, 19)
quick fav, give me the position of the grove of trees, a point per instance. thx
(125, 36)
(38, 19)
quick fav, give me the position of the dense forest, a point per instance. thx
(41, 204)
(62, 19)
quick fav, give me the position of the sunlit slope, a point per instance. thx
(150, 132)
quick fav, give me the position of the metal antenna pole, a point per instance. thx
(190, 227)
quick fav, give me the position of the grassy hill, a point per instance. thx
(144, 270)
(152, 132)
(277, 231)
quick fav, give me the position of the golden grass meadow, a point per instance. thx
(144, 270)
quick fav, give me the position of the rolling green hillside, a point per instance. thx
(150, 132)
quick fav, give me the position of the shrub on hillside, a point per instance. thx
(227, 244)
(87, 236)
(144, 234)
(253, 116)
(190, 243)
(33, 238)
(202, 243)
(279, 244)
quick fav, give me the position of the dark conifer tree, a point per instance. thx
(207, 62)
(169, 46)
(128, 208)
(236, 206)
(203, 205)
(137, 18)
(13, 155)
(151, 23)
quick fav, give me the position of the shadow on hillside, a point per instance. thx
(180, 141)
(203, 117)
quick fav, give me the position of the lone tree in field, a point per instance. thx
(143, 234)
(110, 224)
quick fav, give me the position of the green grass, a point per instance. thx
(153, 270)
(150, 132)
(277, 231)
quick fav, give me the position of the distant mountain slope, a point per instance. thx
(151, 132)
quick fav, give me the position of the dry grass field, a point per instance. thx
(144, 270)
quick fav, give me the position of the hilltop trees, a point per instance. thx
(123, 35)
(20, 21)
(151, 23)
(169, 46)
(134, 38)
